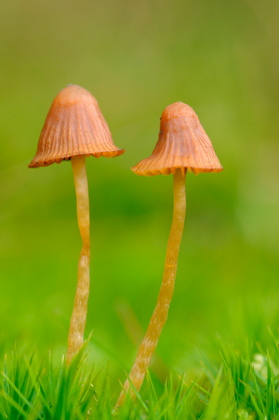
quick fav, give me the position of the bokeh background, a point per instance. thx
(136, 57)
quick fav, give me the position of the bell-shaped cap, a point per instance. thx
(74, 126)
(182, 143)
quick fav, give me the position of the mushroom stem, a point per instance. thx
(78, 318)
(160, 313)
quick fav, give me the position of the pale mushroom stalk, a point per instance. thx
(78, 318)
(160, 313)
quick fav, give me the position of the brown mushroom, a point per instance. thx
(183, 146)
(74, 129)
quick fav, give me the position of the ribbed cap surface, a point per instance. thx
(74, 126)
(182, 143)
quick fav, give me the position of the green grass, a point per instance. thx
(236, 385)
(237, 378)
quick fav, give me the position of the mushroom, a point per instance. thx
(183, 146)
(74, 129)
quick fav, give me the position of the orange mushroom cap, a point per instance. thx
(182, 143)
(74, 126)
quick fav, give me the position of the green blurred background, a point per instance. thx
(136, 57)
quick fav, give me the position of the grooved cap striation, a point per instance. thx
(182, 143)
(74, 126)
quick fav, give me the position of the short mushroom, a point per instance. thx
(183, 146)
(74, 129)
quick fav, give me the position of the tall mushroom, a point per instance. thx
(74, 129)
(183, 146)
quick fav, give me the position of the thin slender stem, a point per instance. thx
(160, 313)
(78, 318)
